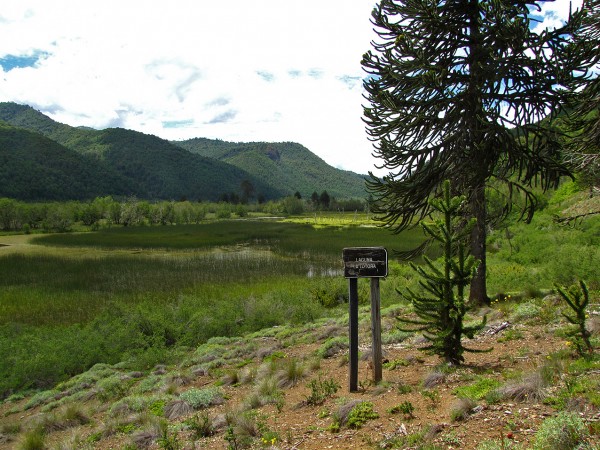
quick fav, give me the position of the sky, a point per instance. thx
(236, 70)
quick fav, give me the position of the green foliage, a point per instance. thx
(526, 311)
(477, 390)
(48, 160)
(405, 408)
(321, 390)
(565, 431)
(361, 414)
(33, 440)
(329, 294)
(505, 444)
(435, 114)
(286, 164)
(395, 363)
(544, 253)
(202, 398)
(442, 308)
(332, 346)
(201, 425)
(112, 387)
(353, 415)
(36, 168)
(577, 297)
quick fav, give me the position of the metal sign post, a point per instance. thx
(364, 262)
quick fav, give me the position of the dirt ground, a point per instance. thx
(301, 426)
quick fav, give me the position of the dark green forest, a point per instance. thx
(46, 160)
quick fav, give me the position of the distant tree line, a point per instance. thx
(16, 215)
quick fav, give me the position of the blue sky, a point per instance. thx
(241, 70)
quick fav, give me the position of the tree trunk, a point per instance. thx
(478, 294)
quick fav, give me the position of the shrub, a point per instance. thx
(332, 346)
(529, 388)
(321, 390)
(201, 425)
(242, 427)
(177, 408)
(526, 311)
(565, 431)
(360, 414)
(405, 408)
(203, 398)
(433, 378)
(353, 414)
(291, 372)
(113, 387)
(477, 390)
(266, 392)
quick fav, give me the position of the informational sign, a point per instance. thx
(365, 262)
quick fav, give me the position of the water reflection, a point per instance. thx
(324, 272)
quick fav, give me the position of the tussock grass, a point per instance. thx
(461, 409)
(530, 387)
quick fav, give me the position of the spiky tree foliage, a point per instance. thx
(578, 298)
(457, 90)
(442, 307)
(583, 153)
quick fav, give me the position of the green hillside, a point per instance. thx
(199, 169)
(169, 172)
(33, 167)
(285, 163)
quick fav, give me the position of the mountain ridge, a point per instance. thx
(198, 169)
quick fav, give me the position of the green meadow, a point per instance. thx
(140, 293)
(139, 296)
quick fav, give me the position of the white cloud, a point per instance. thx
(553, 14)
(241, 70)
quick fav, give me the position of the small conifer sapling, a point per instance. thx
(441, 306)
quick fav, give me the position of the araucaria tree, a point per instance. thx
(441, 307)
(458, 90)
(583, 153)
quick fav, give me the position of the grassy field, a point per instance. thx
(72, 300)
(138, 294)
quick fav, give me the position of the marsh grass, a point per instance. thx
(138, 294)
(283, 237)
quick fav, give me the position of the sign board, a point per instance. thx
(365, 262)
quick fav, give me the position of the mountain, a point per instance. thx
(154, 168)
(283, 164)
(34, 167)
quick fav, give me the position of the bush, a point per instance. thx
(477, 390)
(565, 431)
(332, 346)
(201, 425)
(321, 390)
(353, 414)
(203, 398)
(526, 311)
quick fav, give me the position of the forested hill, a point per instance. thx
(34, 167)
(284, 164)
(116, 161)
